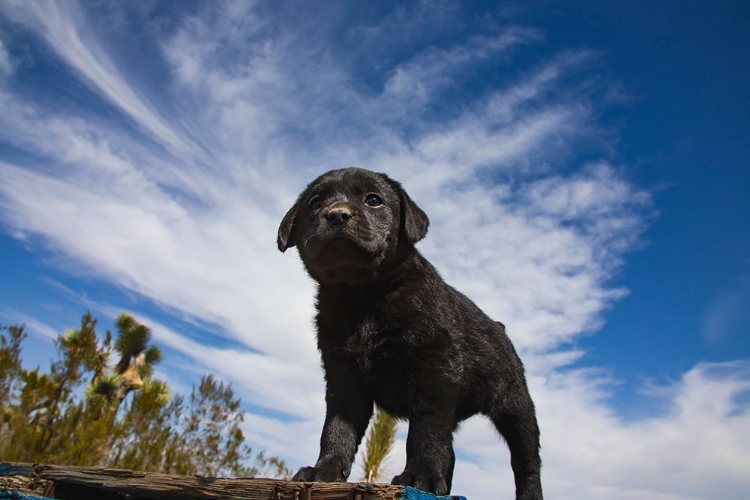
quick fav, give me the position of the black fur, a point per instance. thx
(392, 332)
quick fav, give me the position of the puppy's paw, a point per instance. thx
(433, 484)
(305, 474)
(326, 473)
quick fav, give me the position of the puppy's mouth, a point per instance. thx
(341, 248)
(342, 258)
(344, 249)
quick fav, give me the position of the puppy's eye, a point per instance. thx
(373, 200)
(316, 202)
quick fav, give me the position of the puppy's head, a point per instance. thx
(351, 226)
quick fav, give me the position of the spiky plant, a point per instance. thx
(105, 388)
(378, 445)
(158, 390)
(137, 357)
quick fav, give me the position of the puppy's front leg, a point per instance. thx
(348, 411)
(429, 444)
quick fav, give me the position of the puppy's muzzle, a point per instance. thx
(339, 214)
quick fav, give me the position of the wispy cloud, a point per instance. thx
(722, 314)
(66, 30)
(184, 207)
(5, 64)
(692, 451)
(36, 326)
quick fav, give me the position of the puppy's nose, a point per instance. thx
(339, 213)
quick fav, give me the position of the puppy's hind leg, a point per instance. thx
(515, 420)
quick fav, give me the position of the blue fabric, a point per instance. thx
(16, 495)
(411, 493)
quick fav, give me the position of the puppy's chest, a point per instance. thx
(375, 331)
(376, 346)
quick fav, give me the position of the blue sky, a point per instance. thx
(584, 166)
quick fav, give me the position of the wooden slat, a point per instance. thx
(168, 486)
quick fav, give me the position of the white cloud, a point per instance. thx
(722, 314)
(5, 64)
(32, 324)
(67, 31)
(414, 85)
(695, 450)
(191, 224)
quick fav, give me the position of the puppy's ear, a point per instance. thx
(414, 222)
(285, 238)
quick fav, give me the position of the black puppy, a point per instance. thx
(391, 331)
